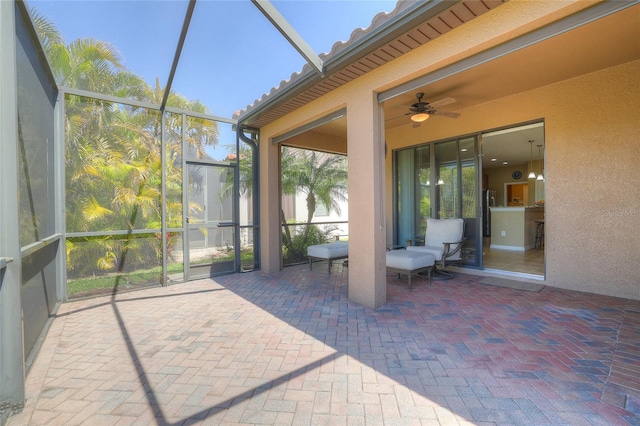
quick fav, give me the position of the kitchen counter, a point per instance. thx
(514, 228)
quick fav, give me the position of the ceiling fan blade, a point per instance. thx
(447, 114)
(398, 116)
(443, 102)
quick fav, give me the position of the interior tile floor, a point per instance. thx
(528, 262)
(289, 348)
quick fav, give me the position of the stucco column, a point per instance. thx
(367, 229)
(270, 232)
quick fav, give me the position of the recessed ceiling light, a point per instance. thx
(494, 159)
(505, 162)
(464, 150)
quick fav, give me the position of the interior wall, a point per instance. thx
(497, 177)
(591, 160)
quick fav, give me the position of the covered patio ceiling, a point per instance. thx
(596, 45)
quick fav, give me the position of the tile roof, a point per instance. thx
(390, 35)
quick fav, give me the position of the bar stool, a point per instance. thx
(539, 234)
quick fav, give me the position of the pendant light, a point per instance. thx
(540, 176)
(532, 174)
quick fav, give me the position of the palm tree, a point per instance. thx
(113, 153)
(322, 178)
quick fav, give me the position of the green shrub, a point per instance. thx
(305, 236)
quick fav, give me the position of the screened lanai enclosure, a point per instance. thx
(119, 174)
(147, 200)
(121, 185)
(115, 194)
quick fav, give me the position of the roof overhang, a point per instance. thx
(391, 35)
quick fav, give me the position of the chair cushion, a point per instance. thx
(434, 251)
(329, 250)
(443, 231)
(409, 260)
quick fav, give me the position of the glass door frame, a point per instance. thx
(472, 255)
(191, 272)
(245, 215)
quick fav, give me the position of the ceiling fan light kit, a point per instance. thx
(419, 117)
(421, 111)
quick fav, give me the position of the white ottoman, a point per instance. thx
(328, 251)
(410, 262)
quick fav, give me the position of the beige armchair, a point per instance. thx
(444, 239)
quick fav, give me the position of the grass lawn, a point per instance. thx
(143, 278)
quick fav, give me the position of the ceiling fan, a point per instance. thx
(420, 111)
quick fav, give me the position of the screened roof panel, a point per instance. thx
(232, 54)
(144, 33)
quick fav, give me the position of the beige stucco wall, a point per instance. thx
(592, 184)
(593, 201)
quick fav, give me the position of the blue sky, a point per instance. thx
(232, 54)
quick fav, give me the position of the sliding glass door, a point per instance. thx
(438, 180)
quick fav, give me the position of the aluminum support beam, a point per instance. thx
(176, 57)
(12, 392)
(278, 21)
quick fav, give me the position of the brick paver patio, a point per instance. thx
(290, 348)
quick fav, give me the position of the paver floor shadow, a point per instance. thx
(289, 348)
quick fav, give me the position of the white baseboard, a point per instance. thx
(509, 248)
